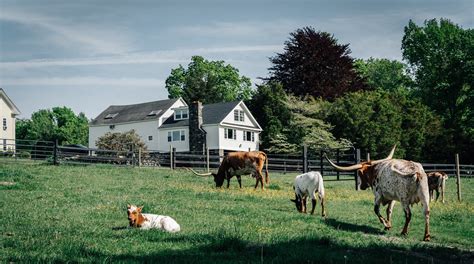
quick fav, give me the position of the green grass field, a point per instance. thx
(78, 214)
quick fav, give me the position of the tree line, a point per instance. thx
(317, 95)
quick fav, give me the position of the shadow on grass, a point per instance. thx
(230, 248)
(339, 225)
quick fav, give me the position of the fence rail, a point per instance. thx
(47, 151)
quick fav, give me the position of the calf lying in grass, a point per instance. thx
(148, 221)
(306, 185)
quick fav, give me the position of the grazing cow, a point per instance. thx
(308, 184)
(394, 180)
(238, 164)
(436, 181)
(149, 221)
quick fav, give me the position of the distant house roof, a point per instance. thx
(211, 114)
(115, 114)
(9, 102)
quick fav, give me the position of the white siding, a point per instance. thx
(212, 136)
(238, 143)
(247, 120)
(6, 112)
(179, 145)
(143, 129)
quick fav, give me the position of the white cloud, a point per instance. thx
(157, 57)
(82, 81)
(77, 36)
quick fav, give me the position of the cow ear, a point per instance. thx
(128, 206)
(139, 209)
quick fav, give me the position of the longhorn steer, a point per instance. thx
(394, 180)
(238, 164)
(436, 181)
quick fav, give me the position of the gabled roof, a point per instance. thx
(9, 102)
(115, 114)
(212, 114)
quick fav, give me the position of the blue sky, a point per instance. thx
(88, 55)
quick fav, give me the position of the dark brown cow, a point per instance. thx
(238, 164)
(436, 181)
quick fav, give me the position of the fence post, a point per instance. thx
(368, 156)
(55, 152)
(174, 158)
(139, 156)
(357, 160)
(321, 165)
(171, 157)
(305, 158)
(458, 177)
(207, 158)
(337, 160)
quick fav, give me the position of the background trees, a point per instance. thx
(441, 56)
(384, 74)
(313, 63)
(208, 82)
(60, 123)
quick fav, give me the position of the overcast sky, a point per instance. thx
(88, 55)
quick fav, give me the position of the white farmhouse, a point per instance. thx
(8, 113)
(172, 123)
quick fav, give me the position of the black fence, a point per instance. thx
(307, 160)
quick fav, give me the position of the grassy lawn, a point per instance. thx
(78, 214)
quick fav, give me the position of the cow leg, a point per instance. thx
(304, 204)
(228, 182)
(426, 211)
(240, 181)
(431, 195)
(323, 211)
(389, 214)
(437, 194)
(406, 209)
(377, 212)
(256, 181)
(313, 205)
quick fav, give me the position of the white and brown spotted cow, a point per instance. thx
(150, 221)
(437, 181)
(394, 180)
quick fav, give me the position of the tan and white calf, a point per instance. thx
(149, 221)
(437, 181)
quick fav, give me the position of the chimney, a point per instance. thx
(197, 136)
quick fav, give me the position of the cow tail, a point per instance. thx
(267, 179)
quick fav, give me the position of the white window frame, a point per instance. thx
(180, 135)
(226, 133)
(239, 115)
(181, 114)
(251, 138)
(4, 123)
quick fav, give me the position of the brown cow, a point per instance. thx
(238, 164)
(436, 181)
(394, 180)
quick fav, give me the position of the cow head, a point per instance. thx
(135, 217)
(218, 178)
(365, 170)
(297, 202)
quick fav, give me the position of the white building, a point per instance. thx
(8, 113)
(222, 127)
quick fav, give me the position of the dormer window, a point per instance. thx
(154, 113)
(110, 116)
(180, 114)
(239, 115)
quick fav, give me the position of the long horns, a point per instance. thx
(200, 174)
(358, 166)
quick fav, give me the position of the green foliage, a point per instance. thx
(208, 82)
(314, 64)
(268, 106)
(376, 120)
(121, 142)
(441, 55)
(59, 124)
(384, 74)
(77, 214)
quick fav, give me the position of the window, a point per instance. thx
(154, 113)
(178, 135)
(112, 126)
(230, 133)
(4, 124)
(110, 116)
(4, 145)
(150, 138)
(239, 115)
(180, 114)
(249, 136)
